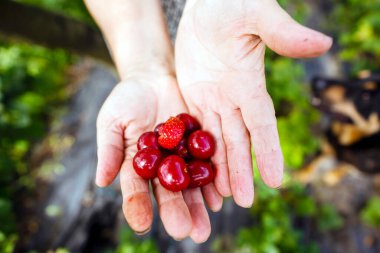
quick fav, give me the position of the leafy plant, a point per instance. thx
(274, 217)
(285, 79)
(7, 242)
(128, 243)
(328, 218)
(31, 87)
(357, 28)
(273, 214)
(73, 8)
(370, 214)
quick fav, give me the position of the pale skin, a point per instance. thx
(220, 70)
(225, 85)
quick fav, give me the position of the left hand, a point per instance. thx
(220, 68)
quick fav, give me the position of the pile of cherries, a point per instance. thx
(178, 152)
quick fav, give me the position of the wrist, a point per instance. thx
(136, 34)
(137, 49)
(146, 67)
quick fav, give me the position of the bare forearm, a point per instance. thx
(136, 34)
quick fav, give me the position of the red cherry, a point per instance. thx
(146, 162)
(157, 128)
(190, 122)
(201, 144)
(201, 173)
(173, 174)
(148, 140)
(181, 150)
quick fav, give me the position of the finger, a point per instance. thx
(173, 211)
(239, 157)
(110, 152)
(201, 223)
(211, 123)
(212, 197)
(286, 37)
(259, 117)
(137, 204)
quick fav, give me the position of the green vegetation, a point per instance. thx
(357, 29)
(73, 8)
(289, 90)
(7, 242)
(286, 85)
(31, 88)
(273, 212)
(129, 244)
(370, 214)
(328, 219)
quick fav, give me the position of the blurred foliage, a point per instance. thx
(128, 243)
(275, 215)
(31, 87)
(58, 250)
(7, 242)
(6, 216)
(273, 230)
(286, 85)
(298, 9)
(274, 211)
(370, 214)
(72, 8)
(329, 219)
(357, 29)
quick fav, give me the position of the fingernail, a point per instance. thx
(329, 39)
(102, 183)
(325, 39)
(214, 210)
(177, 239)
(143, 232)
(99, 182)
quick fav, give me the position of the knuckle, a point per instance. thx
(235, 141)
(136, 185)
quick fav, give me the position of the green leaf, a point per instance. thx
(370, 214)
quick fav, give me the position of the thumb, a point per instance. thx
(286, 37)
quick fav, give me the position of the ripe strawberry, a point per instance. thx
(171, 132)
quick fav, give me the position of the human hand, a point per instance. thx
(149, 94)
(220, 50)
(135, 106)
